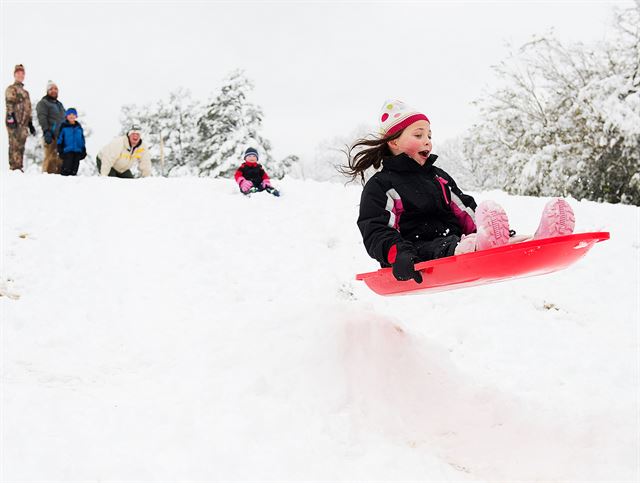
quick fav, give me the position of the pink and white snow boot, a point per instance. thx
(557, 219)
(467, 244)
(492, 224)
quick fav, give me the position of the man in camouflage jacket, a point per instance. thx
(18, 118)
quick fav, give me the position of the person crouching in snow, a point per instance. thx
(413, 211)
(251, 176)
(71, 145)
(118, 157)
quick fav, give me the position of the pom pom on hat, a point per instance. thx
(396, 115)
(251, 152)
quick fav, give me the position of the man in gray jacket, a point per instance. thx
(50, 116)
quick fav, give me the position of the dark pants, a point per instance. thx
(433, 249)
(70, 163)
(438, 248)
(116, 174)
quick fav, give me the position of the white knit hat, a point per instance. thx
(51, 84)
(396, 116)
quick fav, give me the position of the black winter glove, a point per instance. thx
(60, 150)
(84, 154)
(48, 137)
(11, 120)
(32, 128)
(404, 267)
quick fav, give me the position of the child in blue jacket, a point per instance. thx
(71, 145)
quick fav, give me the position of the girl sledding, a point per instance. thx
(412, 211)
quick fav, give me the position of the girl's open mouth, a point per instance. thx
(424, 153)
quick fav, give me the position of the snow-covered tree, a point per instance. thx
(566, 119)
(170, 129)
(229, 125)
(280, 167)
(188, 137)
(330, 156)
(34, 149)
(452, 159)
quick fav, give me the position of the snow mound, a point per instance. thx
(173, 329)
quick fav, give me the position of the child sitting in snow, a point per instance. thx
(251, 176)
(412, 211)
(71, 145)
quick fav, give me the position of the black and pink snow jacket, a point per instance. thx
(408, 206)
(253, 172)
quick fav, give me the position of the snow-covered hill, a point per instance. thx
(173, 330)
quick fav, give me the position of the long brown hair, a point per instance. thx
(368, 152)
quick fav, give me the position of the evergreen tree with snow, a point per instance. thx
(230, 124)
(170, 130)
(34, 149)
(279, 168)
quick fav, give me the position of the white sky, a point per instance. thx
(320, 68)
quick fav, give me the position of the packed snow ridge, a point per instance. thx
(173, 329)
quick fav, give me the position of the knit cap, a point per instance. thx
(51, 84)
(249, 152)
(71, 110)
(396, 116)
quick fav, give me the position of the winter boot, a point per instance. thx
(557, 219)
(467, 244)
(272, 190)
(492, 224)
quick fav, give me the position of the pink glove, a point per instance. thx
(245, 185)
(266, 184)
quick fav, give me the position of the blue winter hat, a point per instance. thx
(249, 152)
(71, 110)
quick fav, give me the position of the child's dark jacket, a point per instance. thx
(413, 207)
(253, 172)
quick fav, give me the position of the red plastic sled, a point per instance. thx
(516, 260)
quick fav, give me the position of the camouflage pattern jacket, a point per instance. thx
(18, 103)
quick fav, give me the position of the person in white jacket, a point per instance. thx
(117, 157)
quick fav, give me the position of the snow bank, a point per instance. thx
(172, 329)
